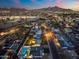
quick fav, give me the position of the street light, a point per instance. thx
(48, 35)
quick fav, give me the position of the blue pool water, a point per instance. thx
(24, 51)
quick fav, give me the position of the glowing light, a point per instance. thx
(44, 26)
(3, 33)
(9, 32)
(57, 43)
(48, 35)
(13, 30)
(30, 41)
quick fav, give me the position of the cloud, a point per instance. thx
(46, 3)
(76, 6)
(68, 4)
(59, 3)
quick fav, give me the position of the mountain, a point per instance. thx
(13, 9)
(23, 11)
(55, 9)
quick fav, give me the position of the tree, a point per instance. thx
(55, 24)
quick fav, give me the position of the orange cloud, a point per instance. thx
(62, 4)
(59, 3)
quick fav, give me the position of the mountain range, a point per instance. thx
(52, 9)
(55, 9)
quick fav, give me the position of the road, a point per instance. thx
(36, 52)
(52, 46)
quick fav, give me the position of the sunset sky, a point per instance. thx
(72, 4)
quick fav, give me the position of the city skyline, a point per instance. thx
(35, 4)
